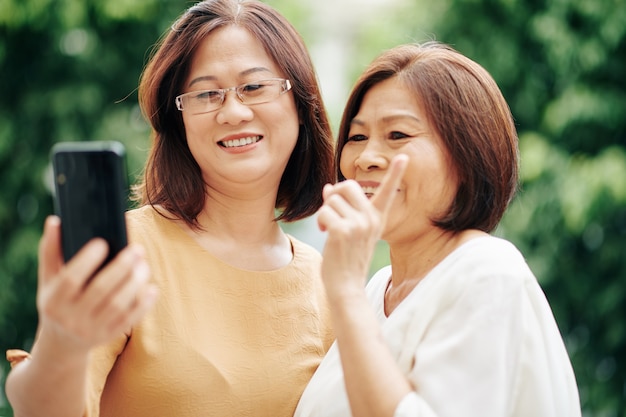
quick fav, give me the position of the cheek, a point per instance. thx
(346, 162)
(442, 191)
(194, 126)
(196, 136)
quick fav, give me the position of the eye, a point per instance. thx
(207, 95)
(253, 88)
(356, 138)
(397, 135)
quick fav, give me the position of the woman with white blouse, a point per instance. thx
(457, 325)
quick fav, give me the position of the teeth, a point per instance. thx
(241, 142)
(369, 190)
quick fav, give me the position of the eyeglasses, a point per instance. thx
(205, 101)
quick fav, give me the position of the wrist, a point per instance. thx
(55, 349)
(341, 294)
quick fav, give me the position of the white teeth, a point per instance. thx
(369, 190)
(241, 142)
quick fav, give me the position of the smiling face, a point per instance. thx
(238, 143)
(391, 121)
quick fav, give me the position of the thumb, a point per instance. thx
(387, 190)
(50, 255)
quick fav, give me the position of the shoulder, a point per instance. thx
(303, 252)
(486, 274)
(490, 246)
(488, 255)
(146, 223)
(141, 215)
(380, 279)
(482, 271)
(377, 285)
(305, 265)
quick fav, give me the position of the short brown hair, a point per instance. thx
(467, 110)
(172, 177)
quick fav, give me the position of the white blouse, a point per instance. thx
(476, 338)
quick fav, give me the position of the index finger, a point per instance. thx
(385, 195)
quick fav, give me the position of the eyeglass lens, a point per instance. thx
(251, 93)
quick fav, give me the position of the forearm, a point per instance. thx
(374, 383)
(51, 383)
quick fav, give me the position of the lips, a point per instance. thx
(369, 187)
(235, 143)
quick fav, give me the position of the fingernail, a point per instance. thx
(151, 295)
(143, 271)
(53, 220)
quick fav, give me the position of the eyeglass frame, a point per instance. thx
(285, 85)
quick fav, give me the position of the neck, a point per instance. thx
(242, 220)
(242, 232)
(412, 261)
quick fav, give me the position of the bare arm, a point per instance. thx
(374, 383)
(73, 319)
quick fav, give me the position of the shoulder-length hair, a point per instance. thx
(466, 109)
(172, 178)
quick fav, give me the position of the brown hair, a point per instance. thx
(467, 110)
(172, 178)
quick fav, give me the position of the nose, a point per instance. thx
(233, 111)
(372, 157)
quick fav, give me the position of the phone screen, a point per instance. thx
(91, 194)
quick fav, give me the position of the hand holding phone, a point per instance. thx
(91, 194)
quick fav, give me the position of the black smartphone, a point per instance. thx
(91, 194)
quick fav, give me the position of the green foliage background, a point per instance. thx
(69, 70)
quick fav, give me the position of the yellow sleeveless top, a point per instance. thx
(220, 341)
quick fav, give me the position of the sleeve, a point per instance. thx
(100, 364)
(15, 356)
(411, 405)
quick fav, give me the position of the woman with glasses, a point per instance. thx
(457, 325)
(240, 322)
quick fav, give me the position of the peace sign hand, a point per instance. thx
(354, 224)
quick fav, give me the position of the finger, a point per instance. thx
(143, 302)
(343, 200)
(85, 263)
(344, 204)
(387, 190)
(322, 214)
(50, 256)
(125, 296)
(108, 283)
(350, 192)
(326, 191)
(327, 218)
(321, 223)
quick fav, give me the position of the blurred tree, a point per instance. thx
(570, 222)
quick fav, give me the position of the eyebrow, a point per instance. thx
(242, 73)
(387, 119)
